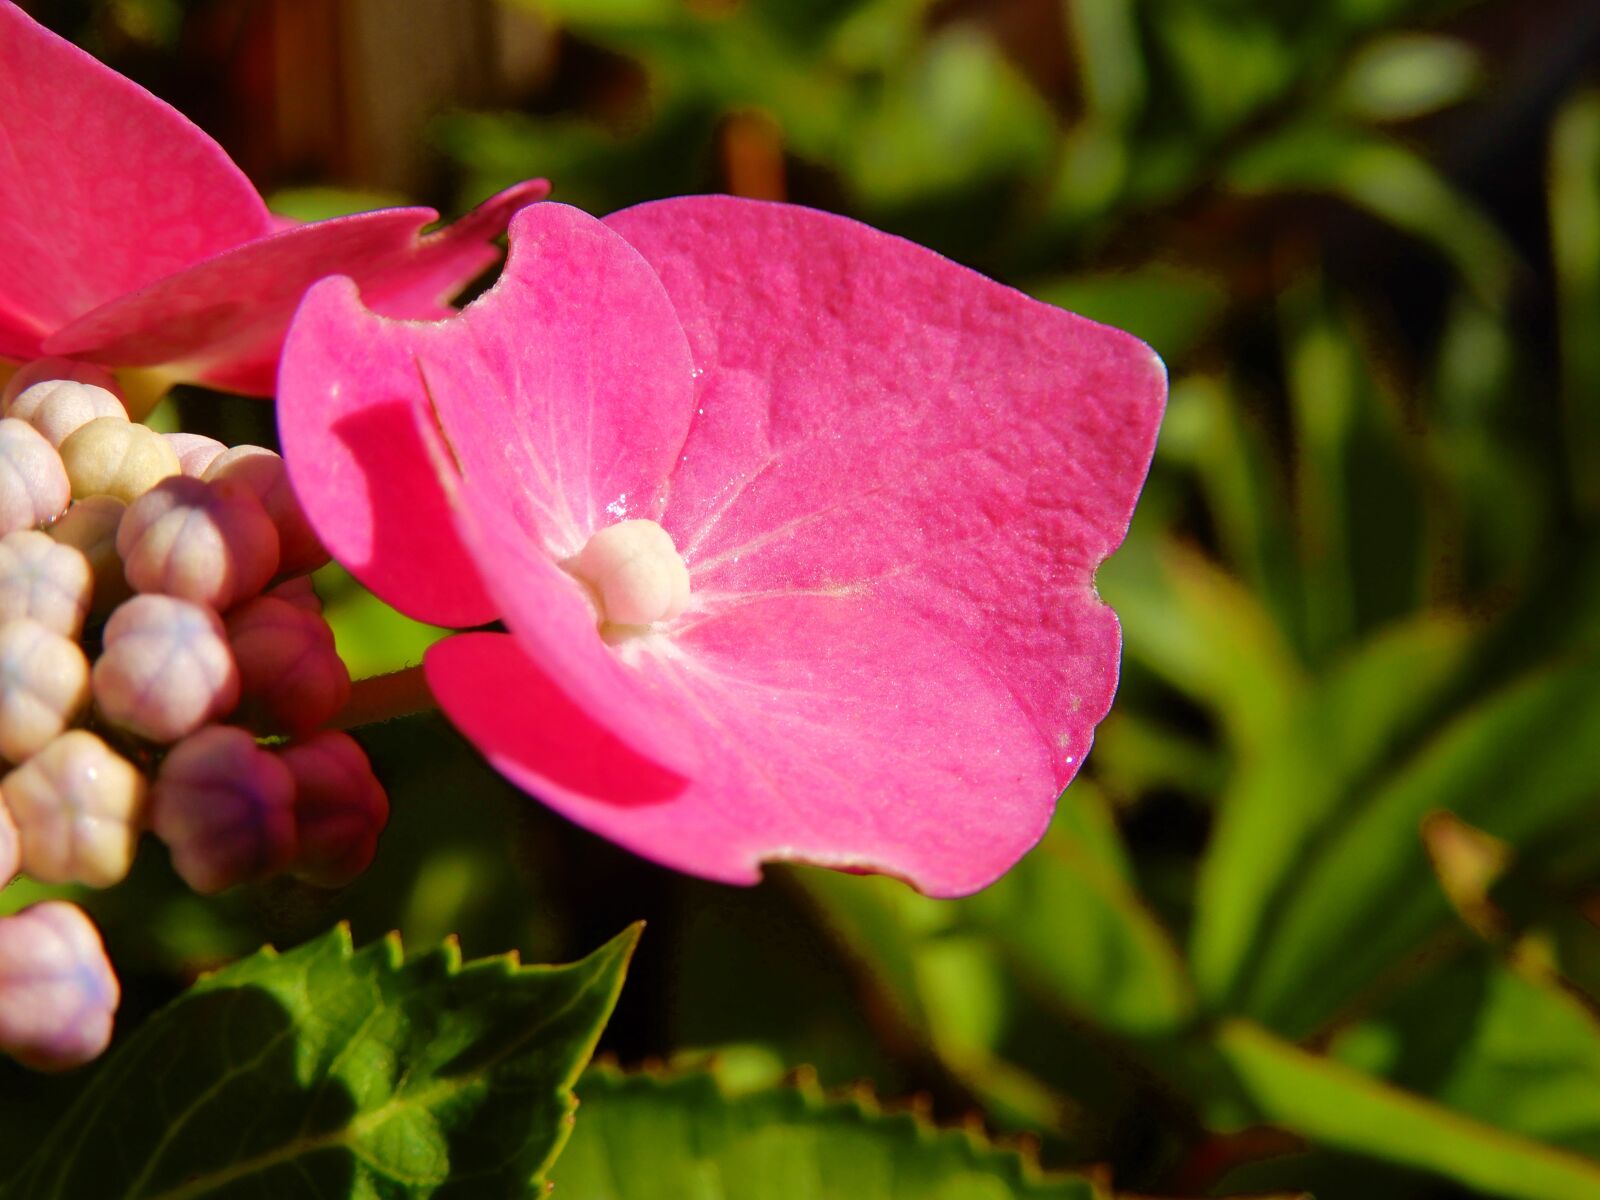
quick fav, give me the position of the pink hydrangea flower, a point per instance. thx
(872, 641)
(130, 239)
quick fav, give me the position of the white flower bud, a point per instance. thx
(299, 591)
(340, 808)
(10, 847)
(33, 483)
(635, 572)
(78, 807)
(45, 580)
(43, 370)
(165, 670)
(44, 686)
(299, 550)
(58, 994)
(195, 451)
(60, 407)
(225, 808)
(90, 527)
(112, 457)
(210, 543)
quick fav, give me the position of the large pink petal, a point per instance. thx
(222, 321)
(879, 420)
(827, 732)
(348, 401)
(103, 188)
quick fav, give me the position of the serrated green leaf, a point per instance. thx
(325, 1071)
(643, 1137)
(1341, 1107)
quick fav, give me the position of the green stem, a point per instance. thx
(384, 698)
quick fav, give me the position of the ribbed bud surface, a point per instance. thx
(208, 543)
(78, 807)
(58, 408)
(299, 549)
(115, 457)
(34, 489)
(45, 580)
(291, 677)
(340, 809)
(165, 670)
(225, 808)
(44, 686)
(90, 527)
(58, 994)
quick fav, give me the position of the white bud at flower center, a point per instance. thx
(635, 573)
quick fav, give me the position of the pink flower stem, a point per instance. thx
(385, 698)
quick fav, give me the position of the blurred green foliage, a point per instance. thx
(1322, 913)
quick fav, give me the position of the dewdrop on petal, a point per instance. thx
(58, 993)
(299, 548)
(209, 543)
(10, 848)
(34, 487)
(46, 580)
(113, 456)
(195, 451)
(290, 676)
(340, 808)
(299, 591)
(165, 670)
(46, 370)
(58, 408)
(78, 807)
(225, 808)
(44, 686)
(90, 527)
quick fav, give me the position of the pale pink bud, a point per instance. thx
(44, 686)
(113, 456)
(58, 994)
(78, 807)
(42, 370)
(165, 670)
(90, 527)
(225, 808)
(210, 543)
(10, 847)
(195, 451)
(45, 580)
(33, 483)
(299, 591)
(60, 407)
(298, 548)
(340, 808)
(291, 677)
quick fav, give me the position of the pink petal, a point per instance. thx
(828, 732)
(880, 420)
(103, 188)
(348, 401)
(222, 322)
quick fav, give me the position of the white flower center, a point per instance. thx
(634, 572)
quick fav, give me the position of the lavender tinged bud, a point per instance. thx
(165, 670)
(33, 482)
(340, 808)
(78, 807)
(44, 580)
(208, 543)
(291, 677)
(225, 808)
(58, 994)
(60, 407)
(112, 456)
(90, 527)
(264, 472)
(44, 686)
(195, 451)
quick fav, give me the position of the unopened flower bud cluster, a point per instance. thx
(155, 619)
